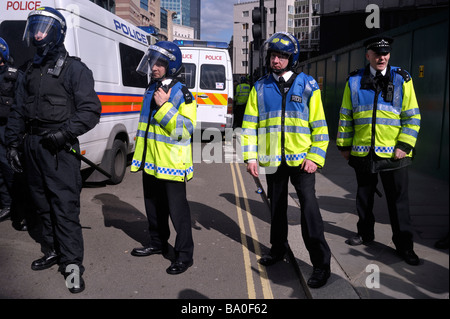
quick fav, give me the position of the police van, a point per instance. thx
(112, 48)
(207, 73)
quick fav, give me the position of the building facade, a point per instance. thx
(182, 8)
(307, 27)
(181, 32)
(245, 56)
(196, 17)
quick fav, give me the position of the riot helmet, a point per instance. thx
(46, 28)
(4, 51)
(285, 44)
(165, 53)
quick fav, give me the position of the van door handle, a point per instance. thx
(203, 96)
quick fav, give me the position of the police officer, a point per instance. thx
(285, 131)
(14, 194)
(240, 101)
(56, 103)
(163, 154)
(8, 85)
(378, 128)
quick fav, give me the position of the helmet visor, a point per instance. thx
(4, 50)
(155, 58)
(40, 28)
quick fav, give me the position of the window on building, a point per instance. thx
(163, 19)
(316, 7)
(144, 4)
(245, 14)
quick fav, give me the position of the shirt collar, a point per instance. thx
(286, 76)
(373, 72)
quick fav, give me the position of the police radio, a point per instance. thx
(164, 87)
(389, 95)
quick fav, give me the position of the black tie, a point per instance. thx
(378, 75)
(281, 83)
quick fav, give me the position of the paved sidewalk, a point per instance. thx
(352, 266)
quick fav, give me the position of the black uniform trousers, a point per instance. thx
(6, 173)
(310, 218)
(55, 185)
(395, 185)
(14, 190)
(164, 199)
(238, 111)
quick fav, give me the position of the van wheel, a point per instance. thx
(118, 164)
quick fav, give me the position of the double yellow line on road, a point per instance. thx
(267, 291)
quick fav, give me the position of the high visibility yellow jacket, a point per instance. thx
(371, 120)
(289, 127)
(242, 92)
(163, 138)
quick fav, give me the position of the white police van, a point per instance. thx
(112, 48)
(207, 73)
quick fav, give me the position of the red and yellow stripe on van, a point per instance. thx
(113, 103)
(211, 98)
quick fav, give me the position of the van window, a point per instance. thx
(130, 58)
(212, 77)
(187, 75)
(11, 32)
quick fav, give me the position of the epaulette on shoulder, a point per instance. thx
(78, 59)
(187, 94)
(12, 69)
(353, 73)
(404, 74)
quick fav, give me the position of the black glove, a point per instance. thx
(13, 159)
(55, 141)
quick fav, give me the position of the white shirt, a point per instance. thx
(373, 72)
(285, 76)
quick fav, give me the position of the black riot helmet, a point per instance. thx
(46, 28)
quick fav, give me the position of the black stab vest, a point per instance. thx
(7, 86)
(48, 100)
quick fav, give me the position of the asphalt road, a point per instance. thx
(230, 223)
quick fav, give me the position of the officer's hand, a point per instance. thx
(161, 96)
(252, 168)
(399, 154)
(12, 156)
(54, 142)
(346, 154)
(309, 166)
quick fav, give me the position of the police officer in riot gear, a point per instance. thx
(14, 192)
(8, 84)
(56, 103)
